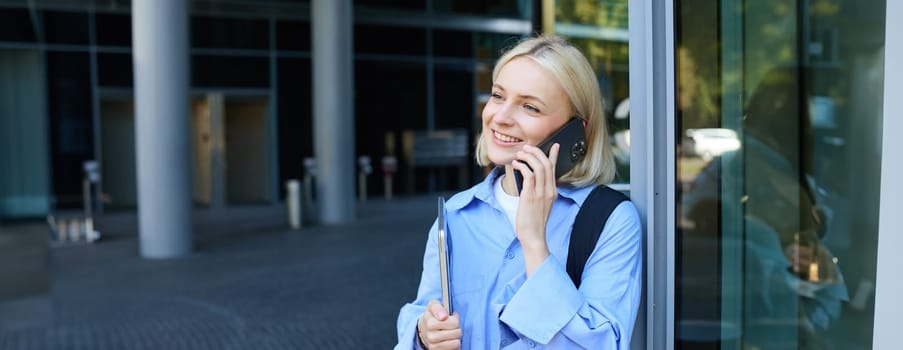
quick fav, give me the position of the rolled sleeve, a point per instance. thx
(545, 303)
(429, 280)
(600, 315)
(407, 327)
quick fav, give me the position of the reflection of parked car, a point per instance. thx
(710, 142)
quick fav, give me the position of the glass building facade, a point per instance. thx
(755, 155)
(778, 110)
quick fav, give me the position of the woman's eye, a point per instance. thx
(532, 108)
(496, 96)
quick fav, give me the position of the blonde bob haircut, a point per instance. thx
(567, 64)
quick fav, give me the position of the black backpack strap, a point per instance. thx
(588, 225)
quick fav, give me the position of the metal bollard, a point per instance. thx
(390, 165)
(92, 176)
(293, 203)
(364, 169)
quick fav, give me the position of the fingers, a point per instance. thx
(443, 338)
(553, 156)
(537, 168)
(436, 333)
(449, 344)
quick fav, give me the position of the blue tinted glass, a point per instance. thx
(779, 110)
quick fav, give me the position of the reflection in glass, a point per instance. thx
(778, 112)
(599, 29)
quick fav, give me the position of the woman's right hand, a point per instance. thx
(437, 329)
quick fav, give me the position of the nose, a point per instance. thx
(503, 114)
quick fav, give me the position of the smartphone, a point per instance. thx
(444, 257)
(572, 140)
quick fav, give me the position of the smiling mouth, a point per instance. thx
(505, 138)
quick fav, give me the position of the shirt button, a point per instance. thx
(531, 343)
(509, 255)
(505, 342)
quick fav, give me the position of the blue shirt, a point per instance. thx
(500, 308)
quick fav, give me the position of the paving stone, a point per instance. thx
(323, 287)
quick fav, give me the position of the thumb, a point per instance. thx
(438, 310)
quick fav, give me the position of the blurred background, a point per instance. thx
(102, 168)
(262, 174)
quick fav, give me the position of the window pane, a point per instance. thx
(15, 25)
(230, 71)
(452, 43)
(412, 5)
(599, 29)
(293, 35)
(454, 95)
(379, 110)
(295, 117)
(113, 29)
(375, 39)
(65, 27)
(71, 129)
(490, 46)
(114, 69)
(496, 8)
(779, 114)
(210, 32)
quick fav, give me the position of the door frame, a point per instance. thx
(652, 162)
(220, 96)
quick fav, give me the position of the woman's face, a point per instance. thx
(526, 106)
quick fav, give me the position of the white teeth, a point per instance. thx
(504, 137)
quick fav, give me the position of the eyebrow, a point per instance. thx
(537, 99)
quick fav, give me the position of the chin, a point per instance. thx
(500, 159)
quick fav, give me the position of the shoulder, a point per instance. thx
(624, 223)
(626, 213)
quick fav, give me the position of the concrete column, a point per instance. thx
(333, 87)
(160, 55)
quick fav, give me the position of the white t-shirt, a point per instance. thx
(506, 201)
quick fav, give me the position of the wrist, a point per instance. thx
(534, 256)
(537, 247)
(420, 337)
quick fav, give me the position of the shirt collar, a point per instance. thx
(483, 192)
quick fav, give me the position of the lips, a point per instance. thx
(505, 138)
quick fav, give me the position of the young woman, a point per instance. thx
(510, 288)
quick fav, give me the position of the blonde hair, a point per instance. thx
(566, 63)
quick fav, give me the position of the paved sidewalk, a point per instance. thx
(324, 287)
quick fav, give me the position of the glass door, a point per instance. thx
(599, 29)
(778, 115)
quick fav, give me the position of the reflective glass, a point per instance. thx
(295, 111)
(235, 33)
(779, 149)
(599, 29)
(114, 69)
(113, 29)
(15, 25)
(70, 131)
(65, 27)
(495, 8)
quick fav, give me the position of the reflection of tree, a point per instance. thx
(696, 93)
(770, 38)
(602, 13)
(609, 58)
(604, 56)
(698, 63)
